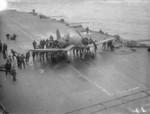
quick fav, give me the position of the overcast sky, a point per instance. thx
(75, 0)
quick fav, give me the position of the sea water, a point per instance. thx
(130, 20)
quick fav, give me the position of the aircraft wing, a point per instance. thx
(68, 48)
(46, 50)
(106, 40)
(102, 41)
(53, 49)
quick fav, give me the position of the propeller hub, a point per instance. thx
(85, 41)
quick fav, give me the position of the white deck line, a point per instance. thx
(92, 82)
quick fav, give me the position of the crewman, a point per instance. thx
(14, 37)
(22, 61)
(9, 59)
(13, 54)
(14, 73)
(109, 44)
(148, 49)
(46, 55)
(95, 46)
(67, 57)
(7, 67)
(74, 51)
(112, 45)
(33, 55)
(77, 50)
(100, 31)
(5, 47)
(81, 51)
(41, 55)
(7, 36)
(18, 61)
(34, 44)
(1, 45)
(4, 51)
(104, 46)
(27, 57)
(87, 30)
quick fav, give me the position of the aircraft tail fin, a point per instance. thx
(58, 34)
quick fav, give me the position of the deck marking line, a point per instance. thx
(108, 93)
(133, 88)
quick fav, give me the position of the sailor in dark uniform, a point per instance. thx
(7, 36)
(33, 55)
(4, 51)
(87, 30)
(14, 73)
(13, 54)
(104, 46)
(34, 44)
(8, 67)
(1, 45)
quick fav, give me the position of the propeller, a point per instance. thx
(79, 34)
(85, 40)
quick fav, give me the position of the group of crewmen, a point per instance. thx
(9, 37)
(108, 45)
(48, 43)
(21, 62)
(9, 68)
(22, 59)
(86, 50)
(56, 56)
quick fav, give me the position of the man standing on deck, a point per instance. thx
(14, 37)
(34, 44)
(18, 61)
(13, 54)
(104, 45)
(109, 45)
(4, 51)
(7, 36)
(5, 47)
(87, 30)
(14, 73)
(8, 67)
(95, 46)
(1, 45)
(22, 61)
(33, 55)
(9, 59)
(27, 57)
